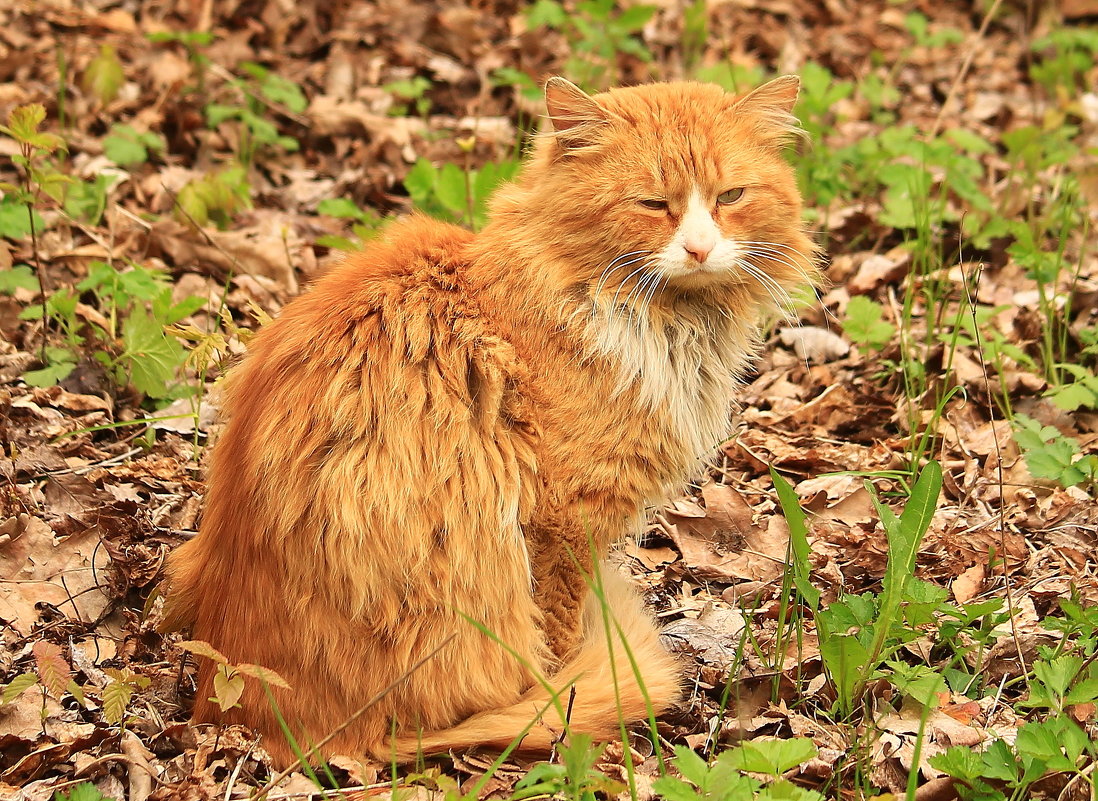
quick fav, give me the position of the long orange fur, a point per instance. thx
(442, 426)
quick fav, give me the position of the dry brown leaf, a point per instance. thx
(32, 565)
(969, 584)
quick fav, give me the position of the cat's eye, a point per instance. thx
(654, 204)
(731, 196)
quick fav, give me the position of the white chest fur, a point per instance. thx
(684, 370)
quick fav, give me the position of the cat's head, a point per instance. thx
(671, 188)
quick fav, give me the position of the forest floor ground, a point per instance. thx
(198, 163)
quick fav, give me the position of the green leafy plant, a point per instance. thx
(126, 146)
(727, 779)
(859, 633)
(575, 778)
(228, 681)
(597, 31)
(20, 276)
(1067, 55)
(410, 91)
(119, 692)
(864, 324)
(131, 344)
(261, 90)
(85, 791)
(103, 77)
(214, 197)
(1050, 454)
(52, 676)
(365, 225)
(1004, 771)
(454, 194)
(38, 178)
(509, 76)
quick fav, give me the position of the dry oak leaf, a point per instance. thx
(32, 565)
(265, 248)
(726, 545)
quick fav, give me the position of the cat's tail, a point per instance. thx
(607, 687)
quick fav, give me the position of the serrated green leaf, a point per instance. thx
(15, 220)
(50, 375)
(450, 188)
(672, 789)
(691, 765)
(633, 19)
(864, 324)
(151, 355)
(338, 207)
(546, 12)
(116, 697)
(1070, 397)
(282, 90)
(23, 121)
(217, 114)
(960, 762)
(125, 146)
(970, 141)
(772, 757)
(82, 792)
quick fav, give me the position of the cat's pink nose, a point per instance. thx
(699, 247)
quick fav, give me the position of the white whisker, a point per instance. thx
(614, 266)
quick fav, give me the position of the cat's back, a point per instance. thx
(411, 271)
(384, 358)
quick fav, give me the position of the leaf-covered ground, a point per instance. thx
(211, 158)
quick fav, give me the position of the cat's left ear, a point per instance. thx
(772, 106)
(575, 116)
(778, 95)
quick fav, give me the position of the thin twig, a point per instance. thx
(973, 299)
(963, 71)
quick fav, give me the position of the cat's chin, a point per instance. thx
(700, 276)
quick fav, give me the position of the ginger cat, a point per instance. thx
(442, 425)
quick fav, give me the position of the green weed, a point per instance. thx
(597, 32)
(126, 146)
(728, 779)
(1050, 454)
(454, 194)
(365, 223)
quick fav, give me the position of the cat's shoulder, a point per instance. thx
(407, 253)
(410, 262)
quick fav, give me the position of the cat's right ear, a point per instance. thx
(574, 115)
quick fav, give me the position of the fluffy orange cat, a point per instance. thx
(443, 426)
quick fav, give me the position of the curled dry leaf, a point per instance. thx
(817, 345)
